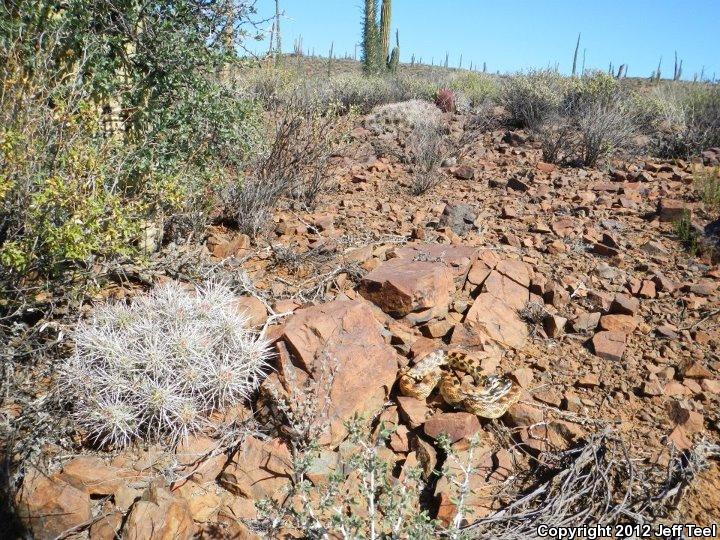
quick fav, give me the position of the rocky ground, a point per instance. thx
(570, 280)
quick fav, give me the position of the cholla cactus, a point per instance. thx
(156, 368)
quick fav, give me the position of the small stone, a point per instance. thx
(456, 425)
(609, 345)
(652, 388)
(672, 210)
(554, 325)
(413, 411)
(589, 381)
(619, 323)
(624, 304)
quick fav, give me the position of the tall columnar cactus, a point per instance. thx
(384, 31)
(371, 45)
(575, 56)
(394, 59)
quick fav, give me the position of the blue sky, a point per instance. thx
(512, 35)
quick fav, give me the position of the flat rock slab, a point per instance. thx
(345, 334)
(402, 286)
(500, 322)
(609, 345)
(456, 258)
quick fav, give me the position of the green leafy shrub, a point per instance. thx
(112, 116)
(477, 88)
(533, 97)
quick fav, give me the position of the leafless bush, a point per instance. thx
(605, 130)
(424, 152)
(556, 136)
(598, 483)
(483, 119)
(303, 134)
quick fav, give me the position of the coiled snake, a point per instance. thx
(488, 396)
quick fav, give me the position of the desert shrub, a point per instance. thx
(708, 184)
(157, 367)
(531, 98)
(605, 130)
(302, 133)
(478, 88)
(557, 134)
(96, 141)
(594, 88)
(687, 234)
(691, 120)
(424, 151)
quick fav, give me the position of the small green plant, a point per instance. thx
(708, 184)
(687, 234)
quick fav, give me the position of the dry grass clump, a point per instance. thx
(156, 368)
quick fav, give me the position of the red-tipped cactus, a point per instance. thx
(445, 100)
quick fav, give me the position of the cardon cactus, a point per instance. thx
(445, 100)
(156, 369)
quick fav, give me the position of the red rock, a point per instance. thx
(523, 376)
(464, 172)
(399, 441)
(676, 388)
(694, 370)
(199, 458)
(49, 506)
(586, 322)
(619, 323)
(223, 247)
(624, 304)
(478, 273)
(203, 501)
(609, 345)
(554, 325)
(478, 501)
(258, 469)
(589, 381)
(347, 333)
(456, 425)
(413, 411)
(158, 514)
(494, 319)
(523, 415)
(516, 270)
(253, 308)
(507, 290)
(647, 289)
(400, 286)
(672, 210)
(107, 528)
(652, 388)
(93, 475)
(545, 167)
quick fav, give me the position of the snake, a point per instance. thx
(461, 383)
